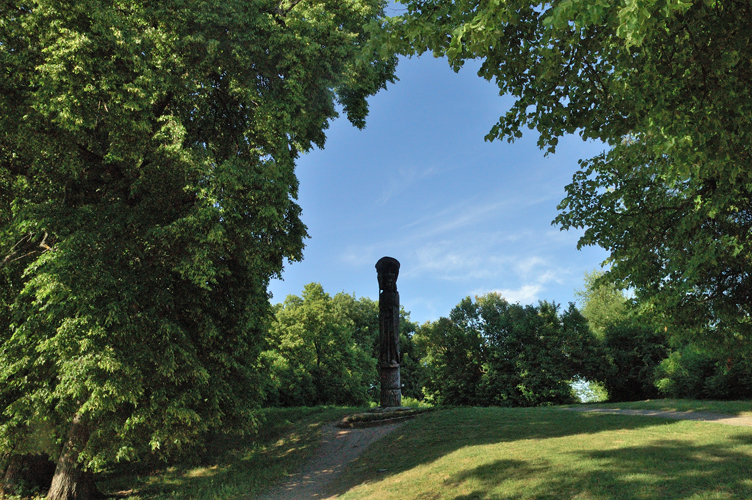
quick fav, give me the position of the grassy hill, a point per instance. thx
(547, 453)
(230, 468)
(487, 453)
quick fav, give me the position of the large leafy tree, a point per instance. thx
(314, 357)
(363, 313)
(323, 350)
(633, 350)
(667, 86)
(147, 156)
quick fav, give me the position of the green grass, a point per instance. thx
(545, 453)
(739, 408)
(482, 453)
(232, 468)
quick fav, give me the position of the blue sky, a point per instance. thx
(463, 216)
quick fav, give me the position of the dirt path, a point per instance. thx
(338, 448)
(715, 418)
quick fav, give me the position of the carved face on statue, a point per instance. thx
(388, 271)
(388, 282)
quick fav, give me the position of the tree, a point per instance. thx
(490, 352)
(314, 358)
(683, 246)
(148, 194)
(454, 360)
(667, 86)
(412, 370)
(601, 303)
(364, 315)
(324, 350)
(633, 351)
(634, 340)
(697, 372)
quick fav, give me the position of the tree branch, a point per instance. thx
(10, 257)
(282, 11)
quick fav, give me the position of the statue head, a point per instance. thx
(388, 271)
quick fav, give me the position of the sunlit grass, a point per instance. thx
(484, 453)
(740, 408)
(546, 453)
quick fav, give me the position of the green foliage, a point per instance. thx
(682, 244)
(363, 313)
(667, 86)
(633, 344)
(634, 349)
(454, 362)
(313, 358)
(230, 467)
(414, 403)
(490, 352)
(692, 372)
(412, 367)
(363, 316)
(601, 303)
(147, 197)
(324, 350)
(684, 372)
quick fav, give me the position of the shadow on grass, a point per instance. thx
(663, 469)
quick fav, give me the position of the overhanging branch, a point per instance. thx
(283, 10)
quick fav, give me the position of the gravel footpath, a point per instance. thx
(338, 448)
(715, 418)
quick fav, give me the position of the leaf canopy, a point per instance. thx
(147, 154)
(666, 85)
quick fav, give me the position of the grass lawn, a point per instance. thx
(482, 453)
(740, 408)
(545, 453)
(232, 468)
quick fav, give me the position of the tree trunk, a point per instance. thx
(70, 481)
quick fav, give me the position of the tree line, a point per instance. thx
(323, 349)
(489, 352)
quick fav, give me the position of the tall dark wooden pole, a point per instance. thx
(387, 269)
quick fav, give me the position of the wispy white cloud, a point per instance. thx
(525, 294)
(531, 283)
(430, 304)
(472, 247)
(458, 260)
(466, 215)
(553, 275)
(406, 176)
(528, 264)
(358, 256)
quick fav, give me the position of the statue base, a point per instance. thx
(391, 389)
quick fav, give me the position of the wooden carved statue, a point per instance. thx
(387, 269)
